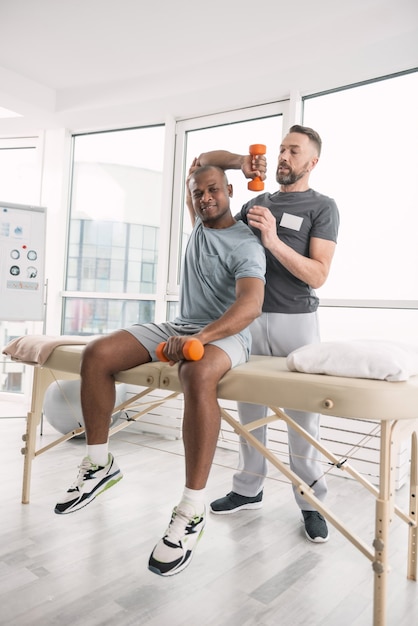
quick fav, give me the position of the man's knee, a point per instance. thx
(96, 354)
(196, 375)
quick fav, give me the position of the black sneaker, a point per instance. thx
(234, 502)
(91, 481)
(316, 528)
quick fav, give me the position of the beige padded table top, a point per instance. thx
(266, 380)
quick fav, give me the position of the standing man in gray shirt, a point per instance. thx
(298, 228)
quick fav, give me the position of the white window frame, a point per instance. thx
(181, 168)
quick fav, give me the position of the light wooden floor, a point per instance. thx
(254, 568)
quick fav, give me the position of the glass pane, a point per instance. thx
(237, 138)
(89, 316)
(15, 378)
(115, 213)
(354, 323)
(369, 165)
(172, 310)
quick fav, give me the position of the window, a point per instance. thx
(91, 316)
(369, 164)
(235, 132)
(114, 228)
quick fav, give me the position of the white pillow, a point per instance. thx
(382, 360)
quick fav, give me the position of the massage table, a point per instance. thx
(267, 380)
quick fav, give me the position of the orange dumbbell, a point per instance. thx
(256, 184)
(193, 350)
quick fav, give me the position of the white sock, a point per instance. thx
(98, 453)
(195, 498)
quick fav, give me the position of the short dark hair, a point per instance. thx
(206, 168)
(312, 134)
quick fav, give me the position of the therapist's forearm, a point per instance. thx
(222, 158)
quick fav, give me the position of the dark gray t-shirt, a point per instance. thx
(299, 216)
(214, 260)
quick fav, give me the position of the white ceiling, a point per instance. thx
(89, 63)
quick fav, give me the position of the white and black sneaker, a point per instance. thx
(91, 481)
(175, 550)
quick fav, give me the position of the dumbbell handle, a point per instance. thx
(193, 350)
(256, 184)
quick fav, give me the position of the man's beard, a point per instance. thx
(289, 179)
(292, 177)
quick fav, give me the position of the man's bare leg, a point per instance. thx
(101, 360)
(202, 418)
(98, 471)
(200, 434)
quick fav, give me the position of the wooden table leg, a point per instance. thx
(42, 378)
(413, 505)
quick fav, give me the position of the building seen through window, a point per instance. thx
(112, 259)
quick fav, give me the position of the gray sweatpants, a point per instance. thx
(277, 334)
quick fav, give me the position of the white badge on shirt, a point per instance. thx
(291, 221)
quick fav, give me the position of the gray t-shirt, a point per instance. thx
(299, 216)
(215, 259)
